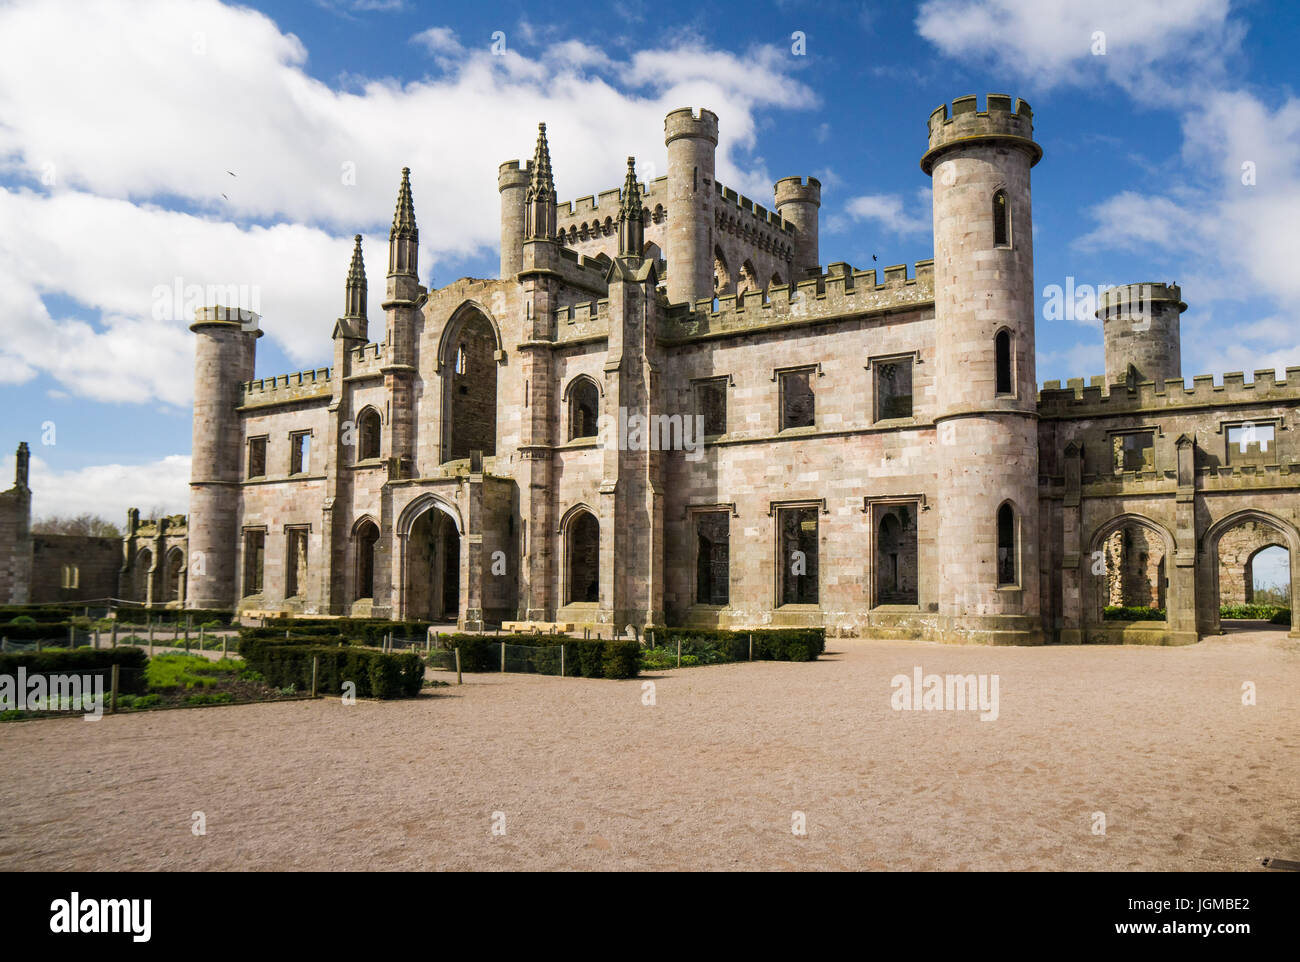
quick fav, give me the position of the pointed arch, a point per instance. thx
(722, 282)
(1008, 542)
(369, 433)
(1001, 211)
(580, 538)
(582, 399)
(469, 352)
(1004, 361)
(407, 517)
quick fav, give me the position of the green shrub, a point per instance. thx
(715, 646)
(23, 620)
(376, 674)
(210, 698)
(1253, 611)
(586, 659)
(132, 664)
(1283, 617)
(1132, 613)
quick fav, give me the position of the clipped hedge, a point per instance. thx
(131, 661)
(364, 631)
(1283, 617)
(376, 674)
(1130, 613)
(39, 612)
(714, 646)
(1265, 612)
(37, 632)
(587, 659)
(295, 638)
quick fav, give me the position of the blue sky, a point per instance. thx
(146, 143)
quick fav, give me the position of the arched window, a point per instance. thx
(584, 408)
(1007, 546)
(368, 434)
(1002, 357)
(1001, 220)
(461, 360)
(367, 537)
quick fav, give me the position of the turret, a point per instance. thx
(798, 202)
(985, 401)
(225, 347)
(631, 225)
(1140, 325)
(512, 183)
(692, 142)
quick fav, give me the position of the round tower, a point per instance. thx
(512, 182)
(692, 144)
(798, 202)
(1140, 327)
(985, 397)
(224, 352)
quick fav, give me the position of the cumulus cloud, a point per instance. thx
(107, 490)
(205, 151)
(888, 211)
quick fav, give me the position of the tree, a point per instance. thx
(85, 525)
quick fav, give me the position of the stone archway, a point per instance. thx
(1275, 531)
(1130, 564)
(467, 364)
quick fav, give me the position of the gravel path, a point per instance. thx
(588, 777)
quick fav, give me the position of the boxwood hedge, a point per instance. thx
(588, 659)
(712, 646)
(131, 661)
(376, 674)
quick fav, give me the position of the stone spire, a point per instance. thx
(355, 298)
(404, 238)
(20, 465)
(631, 226)
(539, 209)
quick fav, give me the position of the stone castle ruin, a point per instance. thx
(873, 453)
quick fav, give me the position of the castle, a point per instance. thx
(664, 410)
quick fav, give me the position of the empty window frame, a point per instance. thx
(798, 404)
(1001, 219)
(711, 404)
(1251, 442)
(299, 452)
(254, 560)
(1008, 554)
(1005, 382)
(712, 559)
(257, 457)
(893, 382)
(295, 566)
(1133, 451)
(797, 555)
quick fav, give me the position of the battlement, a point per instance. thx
(367, 359)
(607, 201)
(510, 174)
(1095, 400)
(767, 218)
(685, 122)
(217, 314)
(841, 291)
(794, 190)
(1133, 298)
(174, 524)
(283, 388)
(967, 124)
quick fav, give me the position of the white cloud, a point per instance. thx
(193, 100)
(108, 490)
(887, 210)
(1053, 41)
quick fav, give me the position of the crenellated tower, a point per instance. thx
(692, 141)
(798, 202)
(225, 350)
(512, 183)
(1140, 326)
(985, 398)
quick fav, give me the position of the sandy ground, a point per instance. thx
(588, 777)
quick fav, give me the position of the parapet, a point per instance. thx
(1132, 298)
(285, 388)
(227, 315)
(791, 190)
(510, 174)
(840, 292)
(968, 125)
(1078, 401)
(684, 122)
(769, 218)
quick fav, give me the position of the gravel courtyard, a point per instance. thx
(588, 777)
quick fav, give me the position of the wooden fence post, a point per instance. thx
(458, 681)
(679, 651)
(224, 641)
(315, 663)
(72, 637)
(113, 638)
(561, 659)
(112, 704)
(751, 647)
(203, 637)
(503, 656)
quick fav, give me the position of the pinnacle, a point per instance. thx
(404, 216)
